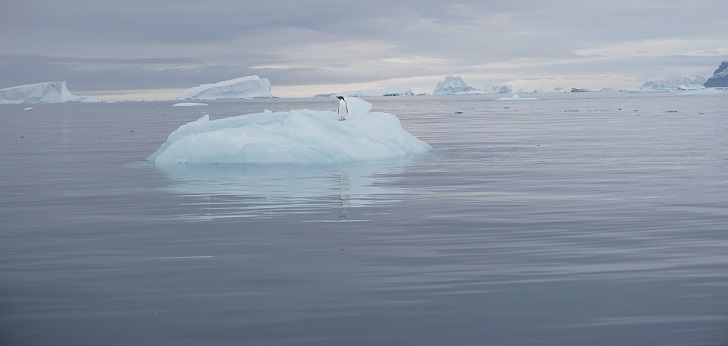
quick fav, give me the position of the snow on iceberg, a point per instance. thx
(48, 92)
(293, 137)
(243, 87)
(454, 85)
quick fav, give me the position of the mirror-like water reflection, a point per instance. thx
(264, 191)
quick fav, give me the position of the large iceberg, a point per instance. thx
(454, 85)
(49, 92)
(293, 137)
(238, 88)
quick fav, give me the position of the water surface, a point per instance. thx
(574, 219)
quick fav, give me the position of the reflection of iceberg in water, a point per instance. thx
(263, 191)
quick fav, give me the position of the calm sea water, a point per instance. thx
(574, 219)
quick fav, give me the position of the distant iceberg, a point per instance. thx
(238, 88)
(293, 137)
(498, 88)
(454, 85)
(49, 92)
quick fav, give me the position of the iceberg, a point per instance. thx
(293, 137)
(238, 88)
(454, 85)
(498, 88)
(48, 92)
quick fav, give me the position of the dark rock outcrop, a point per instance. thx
(720, 77)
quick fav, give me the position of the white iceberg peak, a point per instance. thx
(454, 85)
(243, 87)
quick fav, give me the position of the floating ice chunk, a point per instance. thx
(293, 137)
(28, 109)
(188, 104)
(243, 87)
(516, 98)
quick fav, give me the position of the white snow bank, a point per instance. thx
(516, 98)
(706, 91)
(49, 92)
(188, 104)
(243, 87)
(293, 137)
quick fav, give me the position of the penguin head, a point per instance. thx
(340, 97)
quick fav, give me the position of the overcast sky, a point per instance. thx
(308, 47)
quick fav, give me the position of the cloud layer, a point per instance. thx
(178, 44)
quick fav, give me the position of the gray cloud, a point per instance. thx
(97, 45)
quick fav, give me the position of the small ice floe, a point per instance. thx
(28, 109)
(188, 104)
(517, 98)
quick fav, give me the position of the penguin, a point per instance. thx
(343, 108)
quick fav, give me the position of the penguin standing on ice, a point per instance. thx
(343, 108)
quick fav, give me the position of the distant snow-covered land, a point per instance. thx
(675, 82)
(238, 88)
(48, 92)
(389, 91)
(702, 92)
